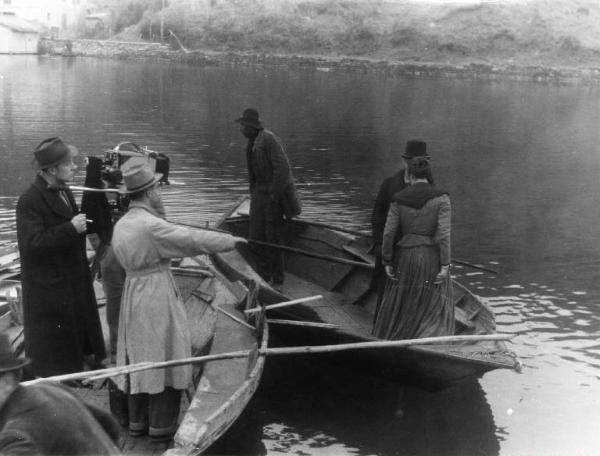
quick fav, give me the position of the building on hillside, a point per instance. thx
(59, 17)
(17, 36)
(97, 22)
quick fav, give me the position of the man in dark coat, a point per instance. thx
(387, 190)
(60, 313)
(272, 193)
(47, 418)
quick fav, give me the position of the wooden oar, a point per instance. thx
(311, 349)
(320, 256)
(474, 266)
(236, 319)
(284, 304)
(308, 324)
(244, 217)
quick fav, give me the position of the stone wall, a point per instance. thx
(104, 48)
(144, 50)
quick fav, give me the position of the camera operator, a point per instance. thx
(103, 216)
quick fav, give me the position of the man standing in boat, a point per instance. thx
(153, 323)
(272, 193)
(387, 190)
(61, 322)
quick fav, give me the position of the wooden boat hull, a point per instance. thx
(222, 388)
(349, 302)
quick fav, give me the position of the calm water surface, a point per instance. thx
(521, 163)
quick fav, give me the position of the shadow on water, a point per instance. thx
(307, 407)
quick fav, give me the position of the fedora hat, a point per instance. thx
(250, 118)
(8, 360)
(137, 176)
(415, 148)
(52, 152)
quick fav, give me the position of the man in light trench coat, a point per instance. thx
(152, 324)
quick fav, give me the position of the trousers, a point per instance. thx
(266, 225)
(113, 279)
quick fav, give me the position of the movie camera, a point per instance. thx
(122, 152)
(113, 159)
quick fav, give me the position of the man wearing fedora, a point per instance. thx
(273, 193)
(153, 323)
(387, 190)
(61, 321)
(47, 418)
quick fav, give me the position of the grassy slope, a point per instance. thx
(534, 32)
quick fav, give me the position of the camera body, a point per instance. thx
(115, 158)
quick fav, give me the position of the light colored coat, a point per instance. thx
(153, 324)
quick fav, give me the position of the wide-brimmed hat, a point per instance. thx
(138, 176)
(250, 118)
(8, 360)
(415, 148)
(52, 152)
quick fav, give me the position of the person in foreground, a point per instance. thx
(153, 324)
(61, 321)
(417, 300)
(273, 194)
(385, 195)
(47, 418)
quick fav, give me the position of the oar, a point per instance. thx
(309, 349)
(313, 254)
(474, 266)
(308, 324)
(284, 304)
(243, 217)
(321, 256)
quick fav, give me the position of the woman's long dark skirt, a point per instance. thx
(414, 306)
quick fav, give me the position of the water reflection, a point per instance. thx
(394, 420)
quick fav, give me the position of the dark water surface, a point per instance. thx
(521, 163)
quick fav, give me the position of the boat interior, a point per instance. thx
(221, 388)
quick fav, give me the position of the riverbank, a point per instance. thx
(467, 70)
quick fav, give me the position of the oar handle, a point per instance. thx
(285, 304)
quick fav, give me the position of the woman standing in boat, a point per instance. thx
(153, 323)
(417, 301)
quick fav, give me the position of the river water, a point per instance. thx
(520, 161)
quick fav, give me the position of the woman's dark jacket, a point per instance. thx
(59, 305)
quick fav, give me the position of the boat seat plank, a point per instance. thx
(332, 308)
(461, 317)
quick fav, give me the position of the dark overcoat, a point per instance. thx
(384, 198)
(49, 419)
(59, 305)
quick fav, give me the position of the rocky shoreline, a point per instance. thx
(472, 71)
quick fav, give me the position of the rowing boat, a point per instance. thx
(337, 264)
(221, 389)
